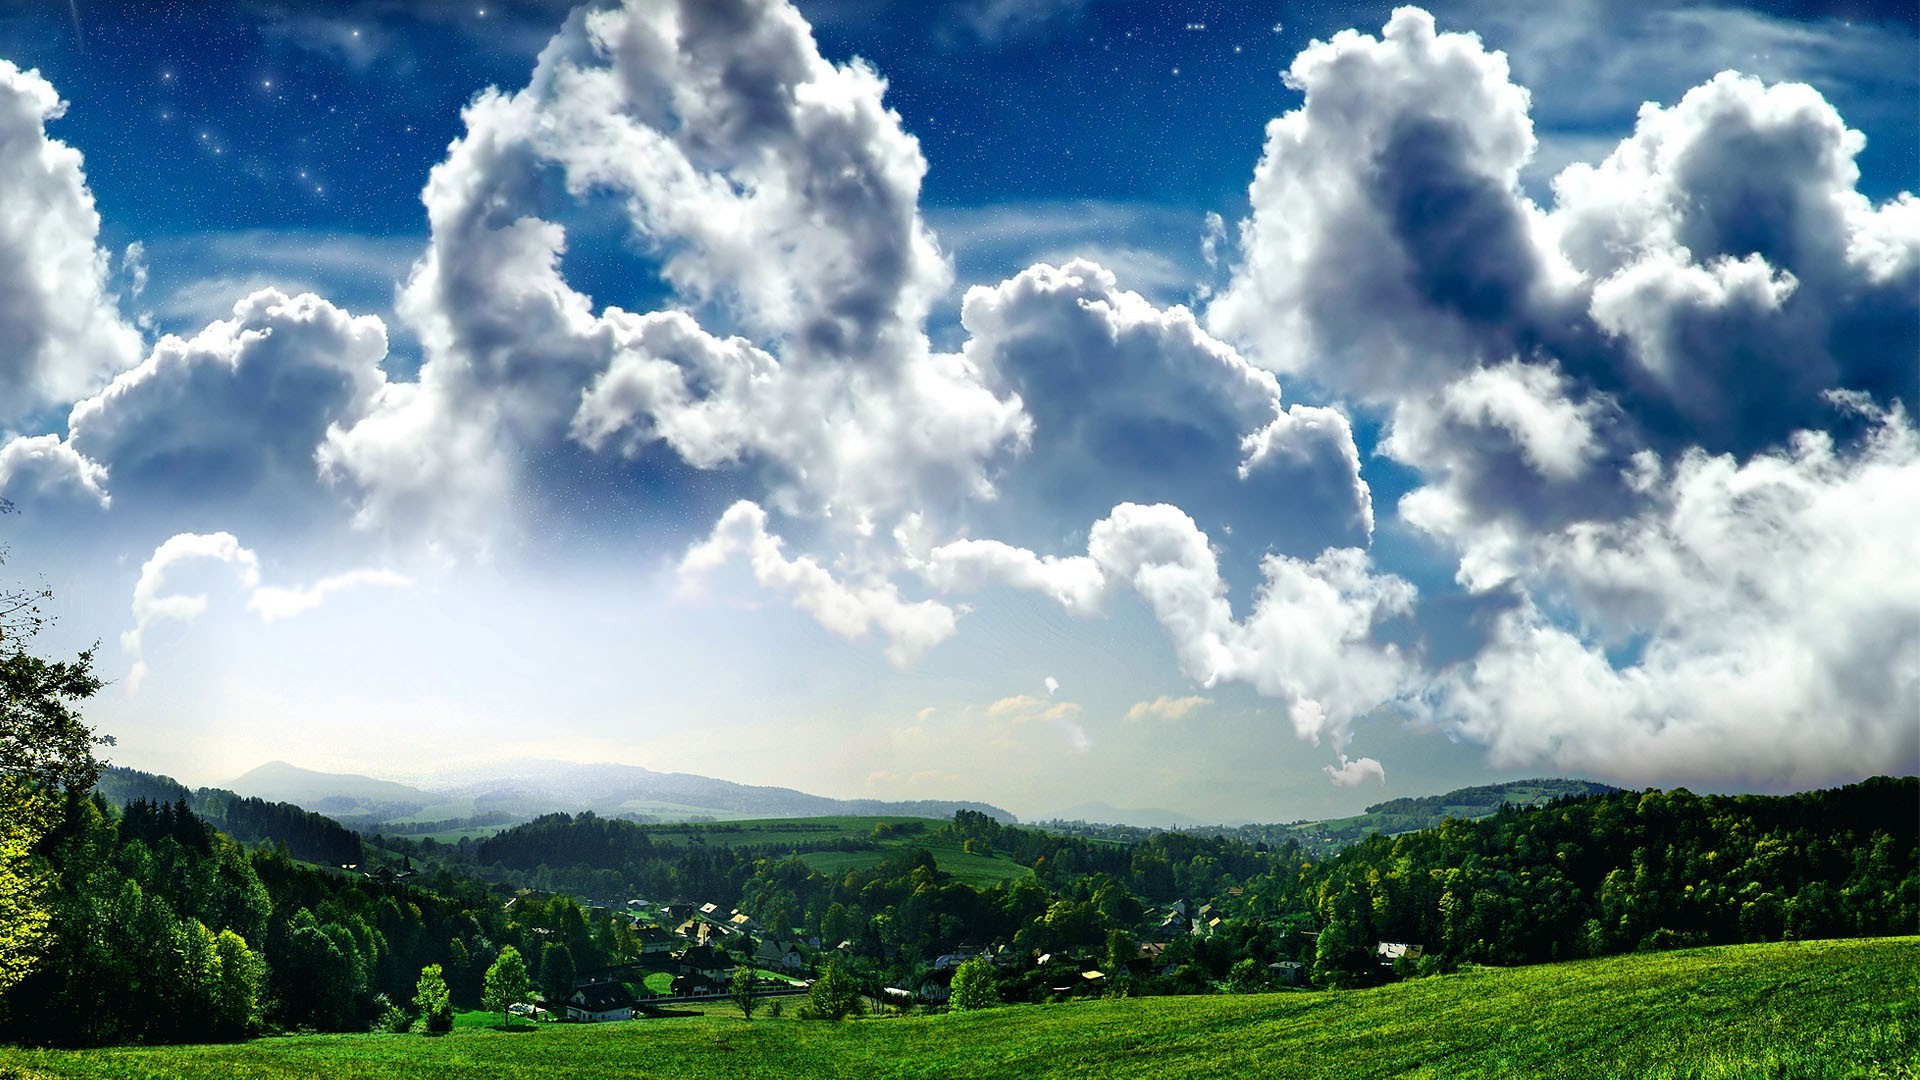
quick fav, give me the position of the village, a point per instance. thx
(696, 959)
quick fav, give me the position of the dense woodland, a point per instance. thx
(163, 929)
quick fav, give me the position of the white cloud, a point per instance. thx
(1308, 641)
(1074, 581)
(778, 194)
(1355, 772)
(1775, 613)
(850, 611)
(1386, 247)
(152, 604)
(1623, 410)
(45, 467)
(1012, 713)
(273, 603)
(1166, 708)
(232, 416)
(64, 332)
(1052, 684)
(1135, 402)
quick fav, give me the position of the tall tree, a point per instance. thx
(46, 750)
(507, 984)
(556, 971)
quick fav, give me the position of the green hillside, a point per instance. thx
(1810, 1009)
(1397, 816)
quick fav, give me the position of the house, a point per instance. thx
(596, 1002)
(700, 933)
(740, 921)
(779, 956)
(694, 983)
(710, 911)
(1288, 973)
(1394, 950)
(653, 940)
(936, 986)
(706, 961)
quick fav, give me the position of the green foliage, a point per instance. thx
(46, 750)
(744, 990)
(507, 984)
(833, 996)
(432, 1001)
(975, 986)
(556, 970)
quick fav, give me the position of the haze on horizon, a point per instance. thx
(1254, 411)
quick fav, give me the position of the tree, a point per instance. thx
(974, 986)
(1246, 976)
(432, 1001)
(46, 751)
(833, 995)
(556, 971)
(507, 984)
(745, 990)
(237, 987)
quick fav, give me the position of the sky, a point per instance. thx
(1254, 410)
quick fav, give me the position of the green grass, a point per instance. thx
(1815, 1009)
(979, 871)
(762, 832)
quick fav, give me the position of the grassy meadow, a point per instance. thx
(1807, 1009)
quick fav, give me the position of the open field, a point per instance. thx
(767, 832)
(1811, 1009)
(979, 871)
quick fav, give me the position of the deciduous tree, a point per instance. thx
(432, 1001)
(507, 984)
(974, 986)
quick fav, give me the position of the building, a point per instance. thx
(1394, 950)
(597, 1002)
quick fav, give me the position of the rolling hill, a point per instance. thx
(538, 787)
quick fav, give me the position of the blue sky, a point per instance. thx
(1252, 410)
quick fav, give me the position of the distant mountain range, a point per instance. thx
(540, 787)
(1145, 818)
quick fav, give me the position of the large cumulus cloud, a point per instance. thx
(63, 331)
(779, 199)
(1645, 419)
(230, 417)
(1131, 402)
